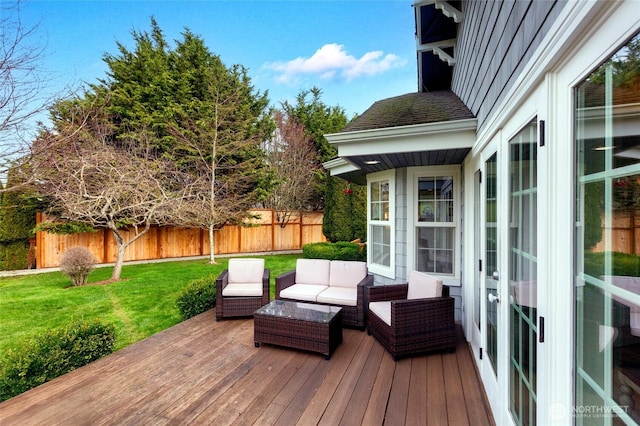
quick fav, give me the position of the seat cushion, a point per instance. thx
(423, 286)
(242, 289)
(312, 271)
(344, 296)
(306, 292)
(382, 310)
(246, 271)
(345, 273)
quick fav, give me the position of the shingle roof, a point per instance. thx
(409, 109)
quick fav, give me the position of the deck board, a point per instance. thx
(203, 372)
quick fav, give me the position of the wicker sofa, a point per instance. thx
(413, 318)
(336, 282)
(242, 288)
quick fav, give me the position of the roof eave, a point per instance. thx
(402, 131)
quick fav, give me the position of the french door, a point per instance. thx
(505, 319)
(486, 321)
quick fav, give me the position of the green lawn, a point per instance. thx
(141, 304)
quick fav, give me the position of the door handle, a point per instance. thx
(496, 275)
(493, 298)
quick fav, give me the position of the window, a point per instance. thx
(380, 223)
(607, 287)
(434, 219)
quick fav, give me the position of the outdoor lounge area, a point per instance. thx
(206, 372)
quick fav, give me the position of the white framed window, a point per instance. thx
(380, 223)
(433, 219)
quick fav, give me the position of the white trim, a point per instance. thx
(413, 173)
(416, 138)
(385, 271)
(339, 166)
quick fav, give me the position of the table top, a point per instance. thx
(299, 311)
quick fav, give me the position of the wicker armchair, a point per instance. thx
(413, 318)
(242, 288)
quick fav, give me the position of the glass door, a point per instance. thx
(523, 284)
(491, 259)
(491, 320)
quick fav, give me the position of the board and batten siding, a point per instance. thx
(490, 60)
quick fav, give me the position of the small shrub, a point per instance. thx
(53, 354)
(198, 297)
(77, 262)
(341, 250)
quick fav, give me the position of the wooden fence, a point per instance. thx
(260, 235)
(624, 230)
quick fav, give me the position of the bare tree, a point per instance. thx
(21, 83)
(292, 158)
(225, 160)
(87, 180)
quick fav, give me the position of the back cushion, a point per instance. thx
(422, 286)
(312, 271)
(244, 271)
(347, 273)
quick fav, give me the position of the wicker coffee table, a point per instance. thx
(305, 326)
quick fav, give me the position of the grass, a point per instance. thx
(142, 303)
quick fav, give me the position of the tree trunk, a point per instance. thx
(212, 245)
(122, 245)
(120, 248)
(117, 268)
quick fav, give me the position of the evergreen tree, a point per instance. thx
(171, 137)
(17, 222)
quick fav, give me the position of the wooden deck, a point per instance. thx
(207, 372)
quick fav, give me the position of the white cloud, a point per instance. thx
(332, 61)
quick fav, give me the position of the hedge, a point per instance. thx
(341, 250)
(621, 264)
(199, 296)
(53, 354)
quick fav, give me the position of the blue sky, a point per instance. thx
(357, 52)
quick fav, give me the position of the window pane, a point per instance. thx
(384, 190)
(435, 250)
(375, 191)
(380, 245)
(444, 188)
(426, 211)
(426, 189)
(607, 292)
(444, 211)
(380, 200)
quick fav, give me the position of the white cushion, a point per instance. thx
(344, 296)
(239, 289)
(382, 310)
(307, 292)
(246, 271)
(312, 271)
(345, 273)
(423, 286)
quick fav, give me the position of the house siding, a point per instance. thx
(490, 64)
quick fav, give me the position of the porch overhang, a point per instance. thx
(368, 151)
